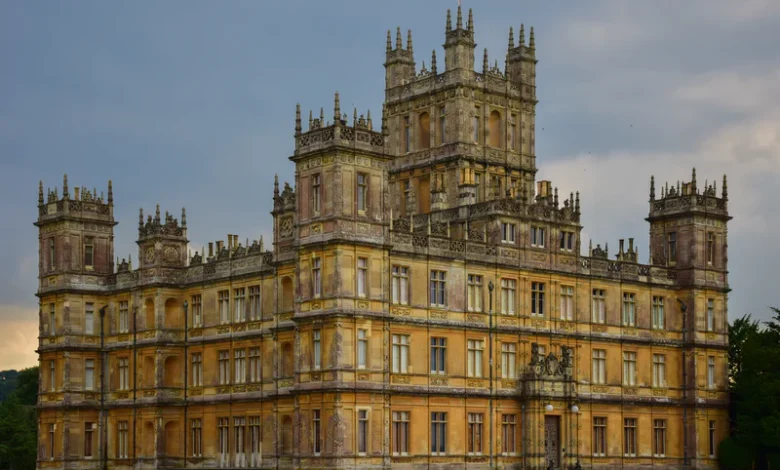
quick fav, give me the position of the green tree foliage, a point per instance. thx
(18, 422)
(7, 383)
(754, 354)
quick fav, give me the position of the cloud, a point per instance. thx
(18, 337)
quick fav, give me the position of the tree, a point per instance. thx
(18, 423)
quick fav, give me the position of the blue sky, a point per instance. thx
(192, 104)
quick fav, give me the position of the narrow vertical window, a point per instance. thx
(599, 436)
(123, 317)
(476, 125)
(223, 435)
(254, 303)
(316, 431)
(52, 255)
(52, 375)
(710, 314)
(508, 360)
(659, 438)
(400, 432)
(711, 372)
(513, 132)
(89, 319)
(239, 441)
(362, 276)
(254, 365)
(567, 303)
(475, 433)
(239, 307)
(197, 311)
(537, 299)
(475, 349)
(317, 276)
(599, 306)
(89, 374)
(400, 285)
(223, 360)
(89, 437)
(400, 354)
(658, 313)
(442, 125)
(474, 292)
(508, 294)
(629, 437)
(316, 349)
(508, 434)
(710, 248)
(239, 366)
(362, 432)
(438, 433)
(196, 437)
(52, 320)
(316, 189)
(477, 187)
(121, 431)
(52, 434)
(362, 191)
(362, 348)
(672, 246)
(659, 370)
(599, 366)
(629, 309)
(438, 289)
(255, 440)
(124, 373)
(89, 252)
(224, 307)
(438, 355)
(712, 439)
(197, 369)
(629, 368)
(407, 135)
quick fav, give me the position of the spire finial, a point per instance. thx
(385, 130)
(511, 38)
(141, 219)
(531, 40)
(471, 21)
(322, 117)
(652, 187)
(183, 217)
(522, 35)
(368, 120)
(459, 21)
(398, 44)
(276, 185)
(449, 21)
(65, 186)
(555, 200)
(311, 119)
(485, 65)
(336, 109)
(389, 46)
(40, 192)
(297, 118)
(354, 117)
(577, 203)
(409, 42)
(157, 213)
(110, 192)
(725, 193)
(433, 62)
(693, 179)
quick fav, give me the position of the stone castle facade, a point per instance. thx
(424, 303)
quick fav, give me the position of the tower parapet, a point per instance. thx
(162, 241)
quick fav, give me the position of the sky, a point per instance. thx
(192, 104)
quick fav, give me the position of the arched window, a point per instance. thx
(495, 130)
(148, 439)
(424, 131)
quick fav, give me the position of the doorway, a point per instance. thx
(552, 441)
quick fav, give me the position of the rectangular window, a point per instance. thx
(508, 296)
(400, 354)
(254, 365)
(316, 271)
(629, 437)
(567, 241)
(710, 314)
(475, 433)
(52, 255)
(477, 112)
(476, 347)
(89, 436)
(599, 436)
(407, 135)
(89, 374)
(508, 434)
(629, 368)
(438, 355)
(89, 319)
(513, 132)
(537, 237)
(121, 438)
(254, 303)
(316, 348)
(53, 320)
(599, 306)
(223, 360)
(711, 372)
(362, 276)
(659, 370)
(362, 191)
(672, 246)
(362, 432)
(438, 289)
(197, 311)
(52, 431)
(438, 433)
(239, 307)
(710, 248)
(223, 437)
(239, 366)
(712, 439)
(508, 358)
(239, 441)
(255, 441)
(658, 313)
(316, 429)
(124, 373)
(442, 125)
(52, 375)
(196, 437)
(508, 232)
(537, 299)
(401, 285)
(123, 317)
(659, 437)
(316, 189)
(599, 366)
(224, 306)
(89, 252)
(567, 303)
(477, 187)
(629, 309)
(400, 432)
(197, 369)
(474, 292)
(362, 348)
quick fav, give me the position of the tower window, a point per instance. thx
(362, 191)
(52, 255)
(316, 190)
(495, 130)
(425, 130)
(513, 132)
(476, 125)
(442, 125)
(672, 245)
(407, 135)
(89, 252)
(710, 248)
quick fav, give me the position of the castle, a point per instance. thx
(424, 303)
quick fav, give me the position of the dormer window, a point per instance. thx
(316, 190)
(89, 252)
